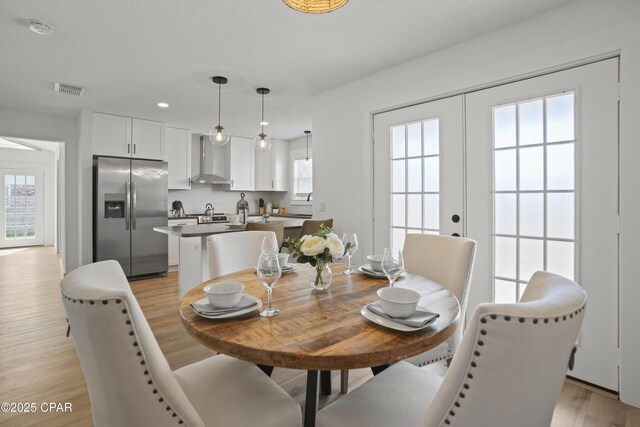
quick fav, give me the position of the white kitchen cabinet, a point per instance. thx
(264, 169)
(178, 148)
(241, 164)
(148, 140)
(174, 244)
(126, 137)
(111, 135)
(281, 162)
(272, 167)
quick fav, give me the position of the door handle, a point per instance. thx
(127, 204)
(133, 206)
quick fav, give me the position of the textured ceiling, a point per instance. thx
(132, 54)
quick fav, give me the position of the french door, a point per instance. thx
(418, 172)
(21, 208)
(543, 193)
(537, 176)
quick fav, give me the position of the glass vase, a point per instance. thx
(320, 277)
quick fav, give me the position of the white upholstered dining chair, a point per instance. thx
(448, 261)
(508, 370)
(129, 380)
(231, 252)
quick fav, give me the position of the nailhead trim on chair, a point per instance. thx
(476, 353)
(135, 344)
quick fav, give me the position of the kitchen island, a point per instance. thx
(193, 265)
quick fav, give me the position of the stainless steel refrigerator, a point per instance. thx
(130, 198)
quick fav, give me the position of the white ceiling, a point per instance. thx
(132, 54)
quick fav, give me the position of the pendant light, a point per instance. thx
(307, 132)
(217, 135)
(315, 6)
(262, 141)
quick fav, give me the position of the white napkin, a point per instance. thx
(420, 318)
(202, 306)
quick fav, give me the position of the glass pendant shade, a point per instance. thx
(262, 142)
(218, 136)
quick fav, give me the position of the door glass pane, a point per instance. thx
(505, 170)
(432, 174)
(504, 126)
(531, 258)
(432, 211)
(530, 121)
(414, 178)
(560, 118)
(397, 217)
(560, 161)
(414, 210)
(397, 238)
(414, 139)
(505, 214)
(397, 142)
(505, 292)
(505, 257)
(398, 181)
(532, 214)
(532, 168)
(560, 215)
(431, 137)
(560, 256)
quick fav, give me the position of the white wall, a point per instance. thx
(297, 145)
(43, 161)
(47, 127)
(581, 30)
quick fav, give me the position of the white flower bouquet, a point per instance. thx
(318, 249)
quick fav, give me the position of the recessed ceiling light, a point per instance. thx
(40, 28)
(162, 105)
(264, 123)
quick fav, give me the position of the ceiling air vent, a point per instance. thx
(68, 89)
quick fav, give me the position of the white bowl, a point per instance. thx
(224, 295)
(283, 259)
(376, 262)
(398, 302)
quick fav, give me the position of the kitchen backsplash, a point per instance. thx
(194, 200)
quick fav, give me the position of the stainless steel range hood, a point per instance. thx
(212, 168)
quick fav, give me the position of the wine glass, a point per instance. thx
(269, 272)
(353, 239)
(269, 245)
(392, 264)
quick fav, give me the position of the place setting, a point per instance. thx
(224, 301)
(396, 308)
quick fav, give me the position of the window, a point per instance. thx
(302, 180)
(20, 207)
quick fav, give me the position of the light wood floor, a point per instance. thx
(39, 364)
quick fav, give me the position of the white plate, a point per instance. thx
(235, 313)
(389, 323)
(370, 272)
(290, 268)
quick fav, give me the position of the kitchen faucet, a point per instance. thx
(309, 197)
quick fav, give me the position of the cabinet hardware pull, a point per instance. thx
(134, 148)
(128, 148)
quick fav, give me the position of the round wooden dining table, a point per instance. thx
(320, 331)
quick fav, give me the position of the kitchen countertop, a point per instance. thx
(209, 229)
